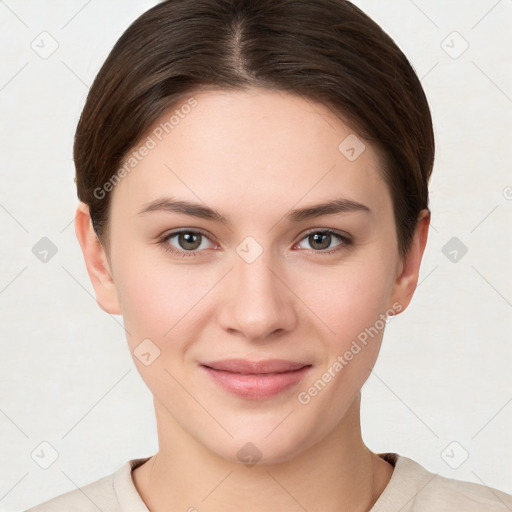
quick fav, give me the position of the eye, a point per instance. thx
(320, 240)
(187, 242)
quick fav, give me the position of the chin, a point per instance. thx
(257, 448)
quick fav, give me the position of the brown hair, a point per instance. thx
(327, 51)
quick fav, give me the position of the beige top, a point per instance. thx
(411, 489)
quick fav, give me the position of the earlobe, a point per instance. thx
(407, 280)
(96, 262)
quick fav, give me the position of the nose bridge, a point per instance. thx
(256, 279)
(260, 303)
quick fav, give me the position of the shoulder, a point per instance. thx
(91, 497)
(111, 493)
(416, 489)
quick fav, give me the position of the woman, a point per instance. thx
(253, 178)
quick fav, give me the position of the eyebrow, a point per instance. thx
(332, 207)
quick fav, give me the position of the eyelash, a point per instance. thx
(163, 241)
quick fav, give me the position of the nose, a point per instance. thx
(258, 302)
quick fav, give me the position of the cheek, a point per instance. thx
(158, 297)
(347, 299)
(156, 304)
(352, 302)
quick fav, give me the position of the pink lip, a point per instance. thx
(256, 379)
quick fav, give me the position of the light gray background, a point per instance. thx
(442, 387)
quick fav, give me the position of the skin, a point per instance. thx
(253, 156)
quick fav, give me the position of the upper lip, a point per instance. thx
(246, 367)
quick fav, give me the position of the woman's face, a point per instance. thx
(254, 276)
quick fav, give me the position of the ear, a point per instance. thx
(407, 277)
(96, 262)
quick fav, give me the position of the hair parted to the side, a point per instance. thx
(327, 51)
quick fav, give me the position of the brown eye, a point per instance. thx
(321, 240)
(186, 243)
(189, 240)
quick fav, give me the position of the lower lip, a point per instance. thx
(254, 386)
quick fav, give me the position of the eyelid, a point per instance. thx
(332, 231)
(177, 231)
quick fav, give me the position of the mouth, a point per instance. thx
(256, 379)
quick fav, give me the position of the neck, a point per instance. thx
(337, 473)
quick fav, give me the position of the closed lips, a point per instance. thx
(247, 367)
(256, 380)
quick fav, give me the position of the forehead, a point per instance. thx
(239, 151)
